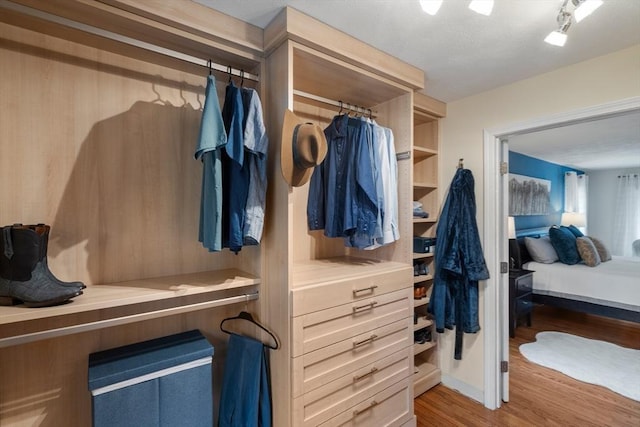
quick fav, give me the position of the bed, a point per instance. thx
(610, 289)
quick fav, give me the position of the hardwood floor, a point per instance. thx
(540, 396)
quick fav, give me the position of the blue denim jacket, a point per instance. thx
(459, 260)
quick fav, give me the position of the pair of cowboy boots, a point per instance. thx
(24, 274)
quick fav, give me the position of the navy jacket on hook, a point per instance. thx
(459, 262)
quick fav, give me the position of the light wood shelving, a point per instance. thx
(426, 114)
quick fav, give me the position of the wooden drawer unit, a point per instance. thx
(322, 328)
(325, 402)
(391, 407)
(317, 368)
(347, 290)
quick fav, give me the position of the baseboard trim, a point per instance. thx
(462, 387)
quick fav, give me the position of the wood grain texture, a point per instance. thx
(540, 396)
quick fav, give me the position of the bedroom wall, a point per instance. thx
(585, 84)
(601, 205)
(522, 164)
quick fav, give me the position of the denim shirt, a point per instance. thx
(342, 195)
(459, 261)
(332, 184)
(256, 145)
(235, 171)
(211, 141)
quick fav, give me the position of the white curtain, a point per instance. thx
(575, 192)
(626, 220)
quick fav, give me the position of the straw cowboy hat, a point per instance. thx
(303, 148)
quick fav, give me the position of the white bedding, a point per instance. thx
(614, 283)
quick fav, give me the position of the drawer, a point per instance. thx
(391, 407)
(344, 291)
(319, 329)
(320, 367)
(325, 402)
(524, 285)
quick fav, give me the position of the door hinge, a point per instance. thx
(504, 267)
(504, 366)
(504, 168)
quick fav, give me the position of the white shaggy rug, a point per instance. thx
(592, 361)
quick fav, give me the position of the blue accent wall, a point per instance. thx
(521, 164)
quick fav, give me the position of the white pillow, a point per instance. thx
(541, 249)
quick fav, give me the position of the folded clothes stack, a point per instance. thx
(418, 212)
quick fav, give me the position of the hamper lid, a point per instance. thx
(136, 360)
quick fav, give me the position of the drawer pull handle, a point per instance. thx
(363, 342)
(365, 307)
(357, 378)
(369, 289)
(358, 412)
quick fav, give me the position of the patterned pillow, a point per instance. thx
(588, 251)
(564, 242)
(604, 253)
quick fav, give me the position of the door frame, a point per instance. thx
(494, 230)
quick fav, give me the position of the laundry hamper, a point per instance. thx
(162, 382)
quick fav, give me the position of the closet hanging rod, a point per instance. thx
(6, 4)
(123, 320)
(334, 103)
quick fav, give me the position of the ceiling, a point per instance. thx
(463, 53)
(605, 143)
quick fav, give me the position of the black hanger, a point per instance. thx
(340, 112)
(229, 71)
(241, 78)
(210, 65)
(248, 317)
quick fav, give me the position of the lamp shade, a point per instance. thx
(574, 218)
(511, 227)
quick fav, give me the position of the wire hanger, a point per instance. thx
(241, 78)
(340, 112)
(248, 317)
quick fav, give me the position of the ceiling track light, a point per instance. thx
(559, 36)
(582, 9)
(585, 8)
(483, 7)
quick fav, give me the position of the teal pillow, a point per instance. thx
(564, 242)
(573, 229)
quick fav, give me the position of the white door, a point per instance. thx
(504, 256)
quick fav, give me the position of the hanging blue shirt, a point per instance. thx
(235, 171)
(210, 140)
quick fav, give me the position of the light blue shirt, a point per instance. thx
(212, 136)
(257, 144)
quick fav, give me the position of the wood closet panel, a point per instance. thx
(44, 383)
(100, 146)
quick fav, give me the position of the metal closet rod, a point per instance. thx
(123, 320)
(335, 103)
(124, 39)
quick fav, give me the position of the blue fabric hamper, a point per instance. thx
(165, 382)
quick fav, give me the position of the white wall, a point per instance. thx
(601, 205)
(601, 80)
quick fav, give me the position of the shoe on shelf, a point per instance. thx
(417, 292)
(423, 270)
(416, 269)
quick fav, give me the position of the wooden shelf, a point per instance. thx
(420, 153)
(425, 186)
(427, 376)
(420, 302)
(425, 220)
(113, 295)
(422, 323)
(422, 278)
(421, 256)
(420, 348)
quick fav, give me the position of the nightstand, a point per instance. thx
(520, 299)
